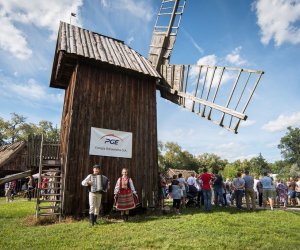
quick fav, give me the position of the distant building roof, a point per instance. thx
(185, 173)
(7, 152)
(74, 42)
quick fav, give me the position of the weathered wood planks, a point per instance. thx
(109, 99)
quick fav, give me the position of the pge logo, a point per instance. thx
(111, 139)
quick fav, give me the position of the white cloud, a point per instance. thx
(232, 151)
(38, 13)
(235, 58)
(282, 122)
(198, 141)
(12, 39)
(30, 91)
(212, 60)
(208, 60)
(247, 123)
(277, 20)
(222, 132)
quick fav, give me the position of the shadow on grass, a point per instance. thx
(156, 214)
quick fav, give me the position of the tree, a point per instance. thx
(282, 168)
(212, 162)
(175, 157)
(3, 129)
(46, 128)
(230, 171)
(290, 145)
(259, 165)
(295, 170)
(16, 129)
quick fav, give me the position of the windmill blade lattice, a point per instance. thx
(165, 31)
(220, 94)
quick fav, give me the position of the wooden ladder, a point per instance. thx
(49, 198)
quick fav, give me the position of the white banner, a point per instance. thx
(106, 142)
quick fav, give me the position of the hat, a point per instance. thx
(97, 166)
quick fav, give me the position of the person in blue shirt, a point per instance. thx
(268, 192)
(249, 191)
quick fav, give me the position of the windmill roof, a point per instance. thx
(74, 42)
(8, 152)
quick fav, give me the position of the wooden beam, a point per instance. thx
(15, 177)
(208, 103)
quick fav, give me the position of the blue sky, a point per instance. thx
(263, 35)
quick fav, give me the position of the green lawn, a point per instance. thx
(194, 229)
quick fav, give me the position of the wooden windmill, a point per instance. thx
(109, 85)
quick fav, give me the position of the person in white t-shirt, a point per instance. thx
(182, 184)
(191, 181)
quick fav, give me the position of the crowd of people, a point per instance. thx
(202, 190)
(207, 189)
(26, 188)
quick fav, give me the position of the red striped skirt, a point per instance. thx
(125, 201)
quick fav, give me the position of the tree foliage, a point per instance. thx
(16, 129)
(294, 170)
(290, 146)
(282, 168)
(171, 155)
(259, 165)
(212, 162)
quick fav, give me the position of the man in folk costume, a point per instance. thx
(125, 194)
(98, 184)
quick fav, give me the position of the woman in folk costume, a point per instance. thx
(98, 184)
(125, 194)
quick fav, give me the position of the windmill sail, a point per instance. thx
(220, 94)
(165, 31)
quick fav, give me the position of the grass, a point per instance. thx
(194, 229)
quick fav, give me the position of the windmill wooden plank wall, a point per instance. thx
(117, 94)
